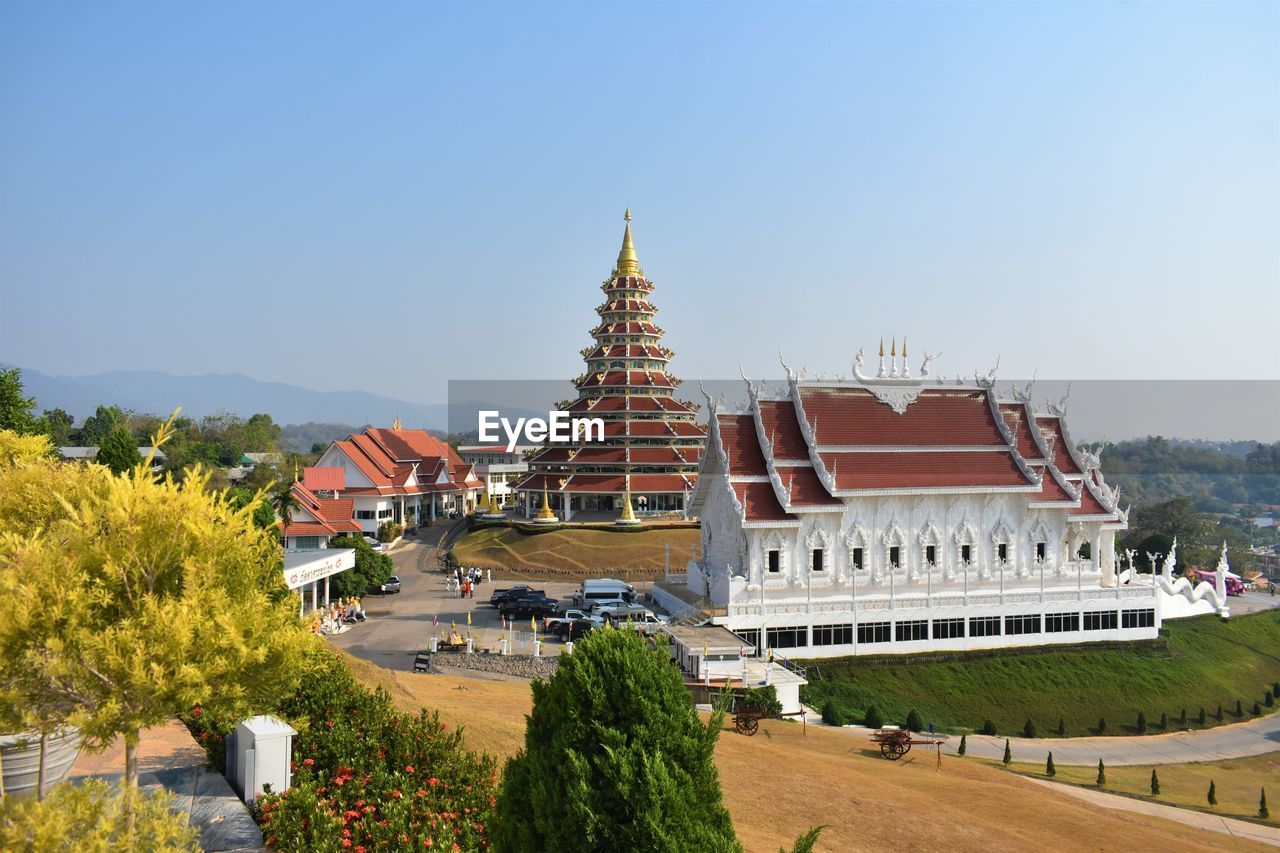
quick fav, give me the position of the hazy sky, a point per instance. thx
(384, 196)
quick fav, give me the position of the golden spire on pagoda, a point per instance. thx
(893, 350)
(628, 517)
(628, 262)
(882, 346)
(396, 424)
(904, 347)
(545, 513)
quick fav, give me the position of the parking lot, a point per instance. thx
(400, 625)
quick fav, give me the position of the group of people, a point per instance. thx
(335, 618)
(463, 582)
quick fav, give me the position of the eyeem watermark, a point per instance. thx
(558, 428)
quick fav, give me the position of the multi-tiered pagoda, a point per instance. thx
(652, 443)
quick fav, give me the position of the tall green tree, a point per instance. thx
(119, 450)
(264, 515)
(59, 425)
(16, 409)
(371, 570)
(615, 758)
(99, 425)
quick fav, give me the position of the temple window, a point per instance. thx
(1002, 552)
(775, 561)
(966, 554)
(895, 557)
(1040, 551)
(931, 555)
(857, 558)
(817, 559)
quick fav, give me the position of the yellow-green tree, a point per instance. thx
(137, 599)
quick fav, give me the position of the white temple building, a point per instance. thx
(898, 514)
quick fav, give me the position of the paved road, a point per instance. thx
(1239, 740)
(399, 626)
(1190, 817)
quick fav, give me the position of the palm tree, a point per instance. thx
(285, 502)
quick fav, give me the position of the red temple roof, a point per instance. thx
(759, 502)
(925, 470)
(778, 417)
(853, 416)
(741, 445)
(1064, 455)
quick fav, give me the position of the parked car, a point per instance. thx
(576, 629)
(603, 589)
(620, 613)
(501, 595)
(528, 605)
(646, 623)
(553, 624)
(374, 543)
(392, 584)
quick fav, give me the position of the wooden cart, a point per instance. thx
(747, 720)
(895, 742)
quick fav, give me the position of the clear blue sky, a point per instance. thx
(385, 196)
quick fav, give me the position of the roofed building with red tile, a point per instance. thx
(819, 498)
(652, 441)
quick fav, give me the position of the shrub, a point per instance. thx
(1049, 769)
(763, 699)
(988, 728)
(1102, 725)
(369, 774)
(1212, 796)
(1062, 727)
(92, 816)
(913, 721)
(872, 719)
(1263, 811)
(1218, 716)
(1029, 730)
(1155, 783)
(964, 746)
(615, 757)
(1269, 699)
(832, 715)
(1102, 774)
(1008, 753)
(1141, 725)
(1239, 709)
(1182, 720)
(389, 531)
(1164, 721)
(1257, 709)
(1201, 719)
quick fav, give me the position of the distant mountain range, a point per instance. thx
(161, 393)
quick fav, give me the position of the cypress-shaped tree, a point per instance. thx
(1029, 730)
(1164, 721)
(1102, 725)
(988, 728)
(1062, 727)
(1212, 796)
(1269, 699)
(658, 788)
(1102, 774)
(1201, 719)
(1218, 715)
(963, 745)
(1257, 709)
(872, 718)
(1239, 709)
(1182, 721)
(914, 723)
(1008, 753)
(1142, 722)
(1155, 783)
(119, 450)
(1263, 811)
(1049, 769)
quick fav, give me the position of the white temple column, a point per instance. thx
(1105, 557)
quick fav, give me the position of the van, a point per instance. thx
(604, 589)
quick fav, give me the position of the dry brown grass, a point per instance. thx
(576, 552)
(786, 779)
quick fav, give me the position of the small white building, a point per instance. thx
(893, 514)
(500, 470)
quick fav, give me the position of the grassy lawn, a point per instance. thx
(576, 552)
(1237, 783)
(1209, 662)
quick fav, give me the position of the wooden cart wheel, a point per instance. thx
(905, 746)
(740, 723)
(752, 726)
(888, 749)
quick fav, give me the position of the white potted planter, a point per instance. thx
(20, 759)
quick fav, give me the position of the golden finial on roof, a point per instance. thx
(396, 424)
(904, 347)
(882, 346)
(628, 262)
(893, 350)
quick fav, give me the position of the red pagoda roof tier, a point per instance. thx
(626, 351)
(926, 470)
(778, 418)
(1064, 455)
(1090, 504)
(741, 446)
(641, 483)
(596, 483)
(629, 305)
(851, 417)
(629, 403)
(759, 502)
(1021, 421)
(628, 328)
(627, 282)
(654, 429)
(627, 379)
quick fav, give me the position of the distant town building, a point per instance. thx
(314, 520)
(652, 442)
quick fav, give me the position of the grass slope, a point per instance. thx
(1237, 783)
(1209, 662)
(576, 551)
(786, 779)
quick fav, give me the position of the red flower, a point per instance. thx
(408, 768)
(310, 762)
(433, 781)
(359, 848)
(396, 794)
(346, 842)
(195, 712)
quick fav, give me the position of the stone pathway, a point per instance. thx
(168, 757)
(1239, 740)
(1200, 820)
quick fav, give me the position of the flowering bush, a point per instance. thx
(368, 777)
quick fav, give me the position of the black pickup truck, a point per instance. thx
(528, 605)
(501, 595)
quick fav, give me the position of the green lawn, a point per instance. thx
(1208, 662)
